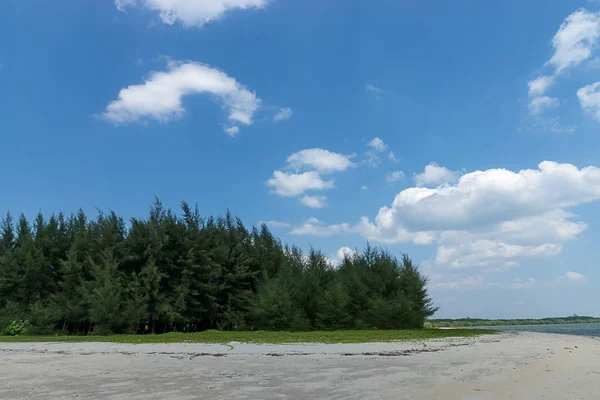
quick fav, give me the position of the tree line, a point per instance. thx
(188, 273)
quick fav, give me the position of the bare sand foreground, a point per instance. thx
(504, 366)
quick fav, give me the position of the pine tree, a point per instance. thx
(104, 294)
(7, 234)
(135, 310)
(413, 286)
(158, 306)
(9, 271)
(70, 300)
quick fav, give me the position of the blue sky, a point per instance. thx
(463, 133)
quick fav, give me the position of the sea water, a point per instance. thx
(592, 329)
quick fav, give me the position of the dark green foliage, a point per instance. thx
(170, 273)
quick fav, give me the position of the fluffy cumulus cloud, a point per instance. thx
(589, 99)
(344, 252)
(314, 201)
(283, 114)
(575, 40)
(494, 196)
(160, 96)
(288, 184)
(435, 175)
(322, 160)
(303, 174)
(232, 130)
(191, 13)
(491, 218)
(377, 144)
(490, 253)
(553, 226)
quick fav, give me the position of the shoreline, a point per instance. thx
(507, 365)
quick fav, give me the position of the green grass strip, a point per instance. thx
(213, 336)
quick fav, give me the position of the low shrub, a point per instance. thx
(17, 328)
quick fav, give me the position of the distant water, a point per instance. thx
(566, 329)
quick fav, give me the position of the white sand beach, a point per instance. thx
(503, 366)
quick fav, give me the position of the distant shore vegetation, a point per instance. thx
(468, 322)
(186, 272)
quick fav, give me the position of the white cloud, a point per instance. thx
(364, 187)
(291, 185)
(553, 226)
(575, 40)
(540, 85)
(589, 99)
(314, 201)
(191, 13)
(160, 96)
(344, 252)
(435, 175)
(322, 160)
(123, 4)
(496, 195)
(538, 105)
(375, 147)
(383, 230)
(489, 253)
(283, 114)
(392, 157)
(574, 276)
(574, 43)
(232, 130)
(377, 144)
(491, 218)
(394, 176)
(374, 89)
(314, 162)
(309, 228)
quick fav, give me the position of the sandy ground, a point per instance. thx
(505, 366)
